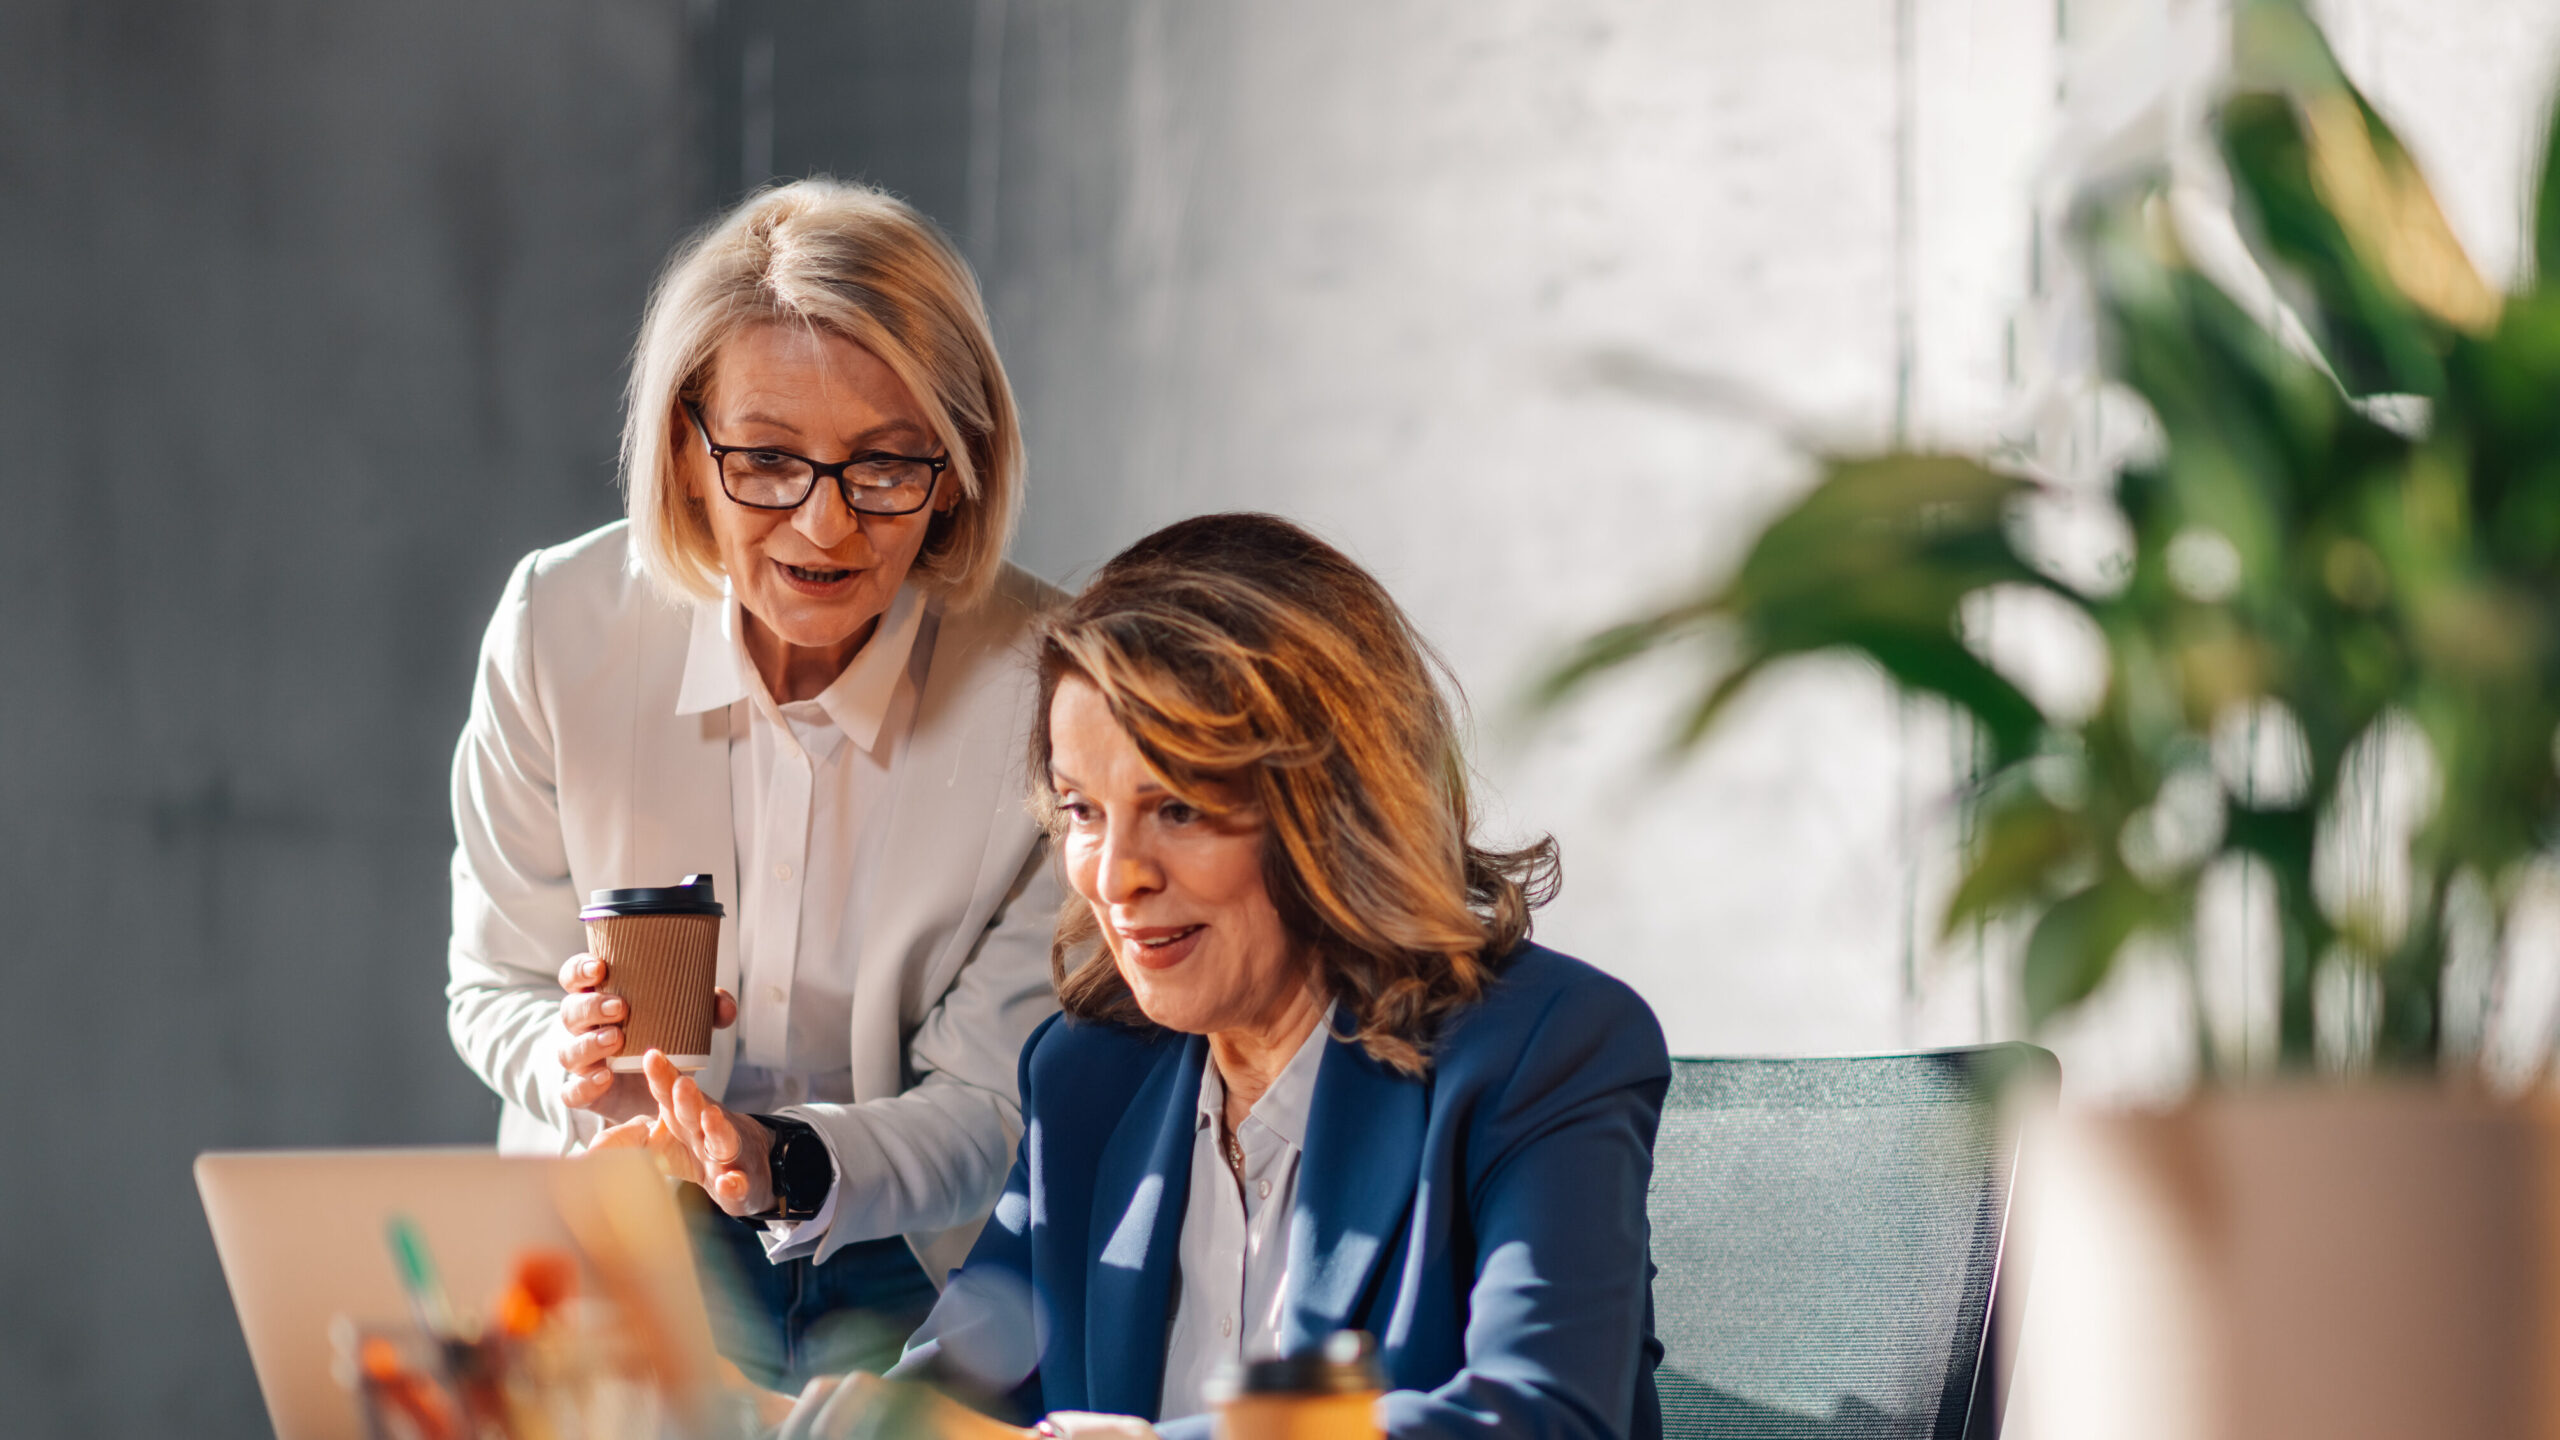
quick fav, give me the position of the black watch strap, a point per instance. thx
(801, 1170)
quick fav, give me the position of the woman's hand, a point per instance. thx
(835, 1407)
(692, 1138)
(594, 1023)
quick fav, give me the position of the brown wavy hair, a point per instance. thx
(1250, 661)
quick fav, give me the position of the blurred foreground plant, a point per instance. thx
(2305, 580)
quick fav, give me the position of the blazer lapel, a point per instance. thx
(1356, 1181)
(961, 766)
(1140, 1190)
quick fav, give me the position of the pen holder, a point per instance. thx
(399, 1380)
(575, 1381)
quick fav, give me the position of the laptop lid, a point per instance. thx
(302, 1240)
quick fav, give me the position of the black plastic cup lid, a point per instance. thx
(1345, 1364)
(692, 897)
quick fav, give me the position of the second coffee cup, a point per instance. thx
(1328, 1393)
(661, 952)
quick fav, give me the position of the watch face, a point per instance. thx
(802, 1172)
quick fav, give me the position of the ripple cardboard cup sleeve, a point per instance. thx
(661, 951)
(1328, 1393)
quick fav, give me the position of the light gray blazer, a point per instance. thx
(575, 773)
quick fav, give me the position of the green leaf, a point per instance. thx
(1877, 559)
(2252, 428)
(2276, 45)
(1940, 665)
(2074, 946)
(1930, 528)
(2375, 340)
(2282, 837)
(2022, 842)
(2546, 211)
(1612, 648)
(2503, 388)
(1711, 706)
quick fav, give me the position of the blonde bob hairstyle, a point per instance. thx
(1255, 666)
(851, 261)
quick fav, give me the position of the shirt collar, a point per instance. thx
(713, 675)
(1283, 1108)
(717, 672)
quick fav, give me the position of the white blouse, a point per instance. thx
(805, 780)
(1231, 1273)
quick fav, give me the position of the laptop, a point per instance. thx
(301, 1235)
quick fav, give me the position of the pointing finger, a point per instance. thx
(688, 1097)
(720, 1142)
(661, 1075)
(679, 1100)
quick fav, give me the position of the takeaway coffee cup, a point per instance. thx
(1328, 1393)
(661, 951)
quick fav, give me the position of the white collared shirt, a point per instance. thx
(1232, 1267)
(805, 781)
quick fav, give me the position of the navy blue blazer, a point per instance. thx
(1485, 1222)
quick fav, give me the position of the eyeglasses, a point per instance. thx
(874, 482)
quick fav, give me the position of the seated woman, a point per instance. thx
(1311, 1075)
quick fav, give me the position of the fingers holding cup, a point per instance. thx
(591, 1049)
(589, 1010)
(581, 973)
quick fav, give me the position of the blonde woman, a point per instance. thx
(1312, 1075)
(794, 667)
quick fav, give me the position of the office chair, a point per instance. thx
(1833, 1247)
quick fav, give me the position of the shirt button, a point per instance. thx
(1226, 1326)
(782, 873)
(776, 994)
(1263, 1189)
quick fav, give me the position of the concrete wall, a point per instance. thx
(1522, 304)
(311, 321)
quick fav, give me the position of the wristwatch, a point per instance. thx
(801, 1170)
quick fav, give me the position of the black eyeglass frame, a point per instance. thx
(818, 470)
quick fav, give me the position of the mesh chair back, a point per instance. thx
(1829, 1235)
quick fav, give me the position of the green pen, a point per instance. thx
(418, 1277)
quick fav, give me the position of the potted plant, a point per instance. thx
(2346, 540)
